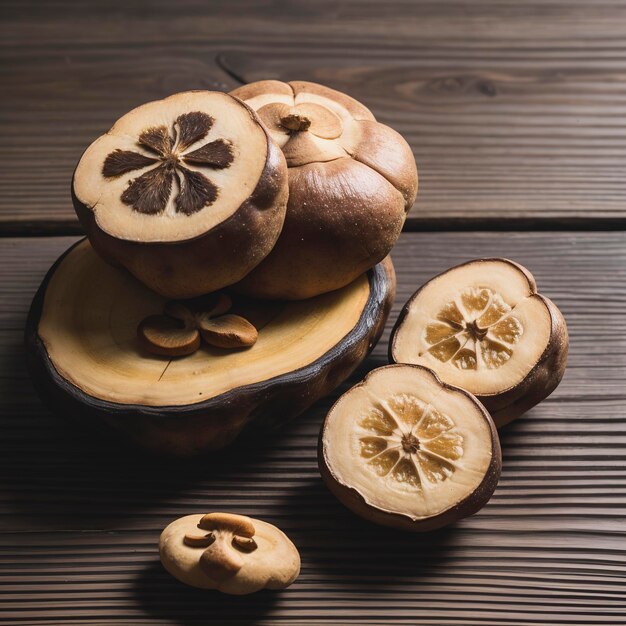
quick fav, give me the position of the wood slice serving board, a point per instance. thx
(87, 365)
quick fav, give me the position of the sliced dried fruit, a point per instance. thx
(188, 193)
(351, 182)
(436, 460)
(482, 326)
(231, 553)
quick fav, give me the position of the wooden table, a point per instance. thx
(515, 111)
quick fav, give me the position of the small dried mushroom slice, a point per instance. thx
(232, 553)
(403, 449)
(174, 171)
(482, 326)
(179, 330)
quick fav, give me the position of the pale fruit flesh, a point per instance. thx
(409, 446)
(480, 326)
(90, 316)
(231, 127)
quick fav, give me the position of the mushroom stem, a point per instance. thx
(295, 122)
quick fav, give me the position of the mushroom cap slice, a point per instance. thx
(403, 449)
(188, 193)
(482, 326)
(351, 182)
(231, 553)
(160, 334)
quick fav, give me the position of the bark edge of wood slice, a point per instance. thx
(158, 414)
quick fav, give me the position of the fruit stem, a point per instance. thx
(295, 122)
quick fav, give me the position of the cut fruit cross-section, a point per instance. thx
(188, 193)
(483, 326)
(90, 365)
(404, 449)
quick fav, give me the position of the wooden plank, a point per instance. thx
(79, 521)
(513, 110)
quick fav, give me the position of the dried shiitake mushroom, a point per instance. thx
(482, 326)
(231, 553)
(403, 449)
(351, 182)
(187, 193)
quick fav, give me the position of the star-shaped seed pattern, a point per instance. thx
(184, 325)
(409, 443)
(476, 329)
(150, 192)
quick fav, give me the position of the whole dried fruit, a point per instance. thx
(351, 182)
(231, 553)
(187, 193)
(403, 449)
(482, 326)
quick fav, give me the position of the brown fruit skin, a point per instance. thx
(211, 425)
(343, 216)
(542, 379)
(353, 500)
(217, 258)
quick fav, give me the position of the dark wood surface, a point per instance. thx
(514, 110)
(80, 521)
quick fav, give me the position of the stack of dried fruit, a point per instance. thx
(189, 196)
(189, 193)
(414, 447)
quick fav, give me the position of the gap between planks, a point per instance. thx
(65, 228)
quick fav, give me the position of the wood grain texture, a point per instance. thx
(513, 109)
(79, 521)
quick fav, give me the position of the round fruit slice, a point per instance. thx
(482, 326)
(90, 323)
(188, 193)
(403, 449)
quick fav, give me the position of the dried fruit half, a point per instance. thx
(351, 182)
(188, 193)
(482, 326)
(403, 449)
(232, 553)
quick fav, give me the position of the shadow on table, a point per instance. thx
(164, 598)
(344, 549)
(53, 471)
(99, 483)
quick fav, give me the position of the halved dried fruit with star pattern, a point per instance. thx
(483, 326)
(403, 449)
(188, 193)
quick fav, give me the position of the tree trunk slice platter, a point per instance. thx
(87, 364)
